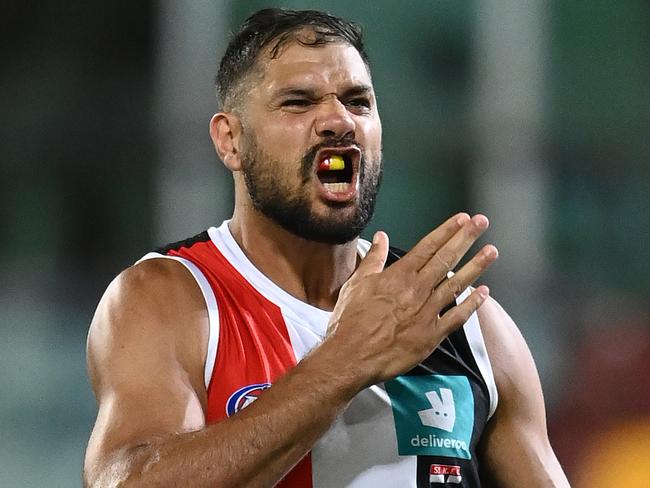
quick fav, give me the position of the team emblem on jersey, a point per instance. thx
(243, 397)
(434, 415)
(443, 474)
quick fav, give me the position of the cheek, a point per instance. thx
(286, 139)
(370, 136)
(287, 125)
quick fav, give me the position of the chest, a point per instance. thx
(425, 421)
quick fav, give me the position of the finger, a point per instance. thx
(455, 285)
(447, 257)
(375, 257)
(427, 247)
(458, 315)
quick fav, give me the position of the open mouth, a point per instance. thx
(337, 170)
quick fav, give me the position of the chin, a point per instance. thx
(333, 228)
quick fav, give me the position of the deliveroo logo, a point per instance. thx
(442, 413)
(434, 415)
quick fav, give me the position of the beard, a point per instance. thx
(292, 208)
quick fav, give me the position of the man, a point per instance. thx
(377, 378)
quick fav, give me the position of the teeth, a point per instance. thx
(336, 187)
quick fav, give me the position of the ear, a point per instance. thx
(225, 130)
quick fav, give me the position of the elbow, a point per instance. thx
(125, 469)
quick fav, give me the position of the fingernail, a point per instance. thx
(491, 252)
(480, 221)
(483, 291)
(462, 218)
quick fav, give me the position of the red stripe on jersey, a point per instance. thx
(254, 346)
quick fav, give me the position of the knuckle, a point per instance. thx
(415, 255)
(408, 296)
(446, 258)
(455, 287)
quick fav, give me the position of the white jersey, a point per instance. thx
(420, 429)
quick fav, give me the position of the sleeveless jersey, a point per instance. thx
(420, 429)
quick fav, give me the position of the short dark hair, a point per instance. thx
(281, 26)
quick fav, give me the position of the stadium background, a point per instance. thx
(533, 112)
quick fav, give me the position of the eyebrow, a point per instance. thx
(358, 90)
(295, 91)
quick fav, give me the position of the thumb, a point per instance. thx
(375, 258)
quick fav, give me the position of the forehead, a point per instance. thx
(331, 65)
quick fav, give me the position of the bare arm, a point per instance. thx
(147, 375)
(516, 444)
(150, 428)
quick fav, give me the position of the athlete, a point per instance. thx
(280, 348)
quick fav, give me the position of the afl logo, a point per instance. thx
(243, 397)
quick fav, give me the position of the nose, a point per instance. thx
(334, 120)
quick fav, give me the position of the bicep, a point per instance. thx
(516, 445)
(152, 398)
(144, 385)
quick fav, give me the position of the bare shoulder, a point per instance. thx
(146, 351)
(155, 298)
(152, 281)
(509, 354)
(515, 445)
(515, 373)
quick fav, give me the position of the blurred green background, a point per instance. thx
(536, 113)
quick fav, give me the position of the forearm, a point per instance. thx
(523, 466)
(256, 447)
(536, 466)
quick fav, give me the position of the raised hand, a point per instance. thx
(386, 321)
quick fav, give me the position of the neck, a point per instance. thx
(310, 271)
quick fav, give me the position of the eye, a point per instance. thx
(359, 103)
(296, 102)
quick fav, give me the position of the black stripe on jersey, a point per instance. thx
(455, 347)
(452, 356)
(175, 246)
(394, 255)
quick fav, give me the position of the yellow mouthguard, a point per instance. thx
(336, 162)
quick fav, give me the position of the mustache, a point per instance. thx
(310, 155)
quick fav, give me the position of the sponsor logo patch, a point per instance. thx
(443, 473)
(243, 397)
(434, 415)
